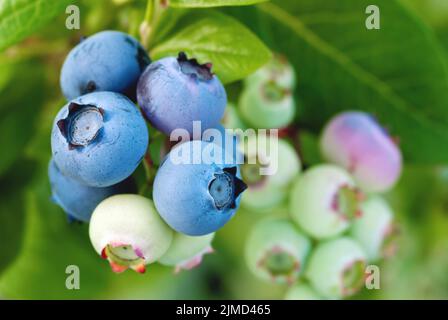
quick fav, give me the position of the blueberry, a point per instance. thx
(78, 200)
(264, 192)
(185, 252)
(127, 230)
(324, 201)
(267, 105)
(355, 141)
(175, 92)
(106, 61)
(336, 268)
(276, 250)
(302, 291)
(261, 198)
(198, 195)
(375, 230)
(278, 69)
(227, 140)
(99, 139)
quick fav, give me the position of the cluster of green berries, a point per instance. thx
(338, 222)
(266, 102)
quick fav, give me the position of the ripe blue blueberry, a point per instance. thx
(99, 139)
(197, 194)
(228, 140)
(106, 61)
(175, 92)
(78, 200)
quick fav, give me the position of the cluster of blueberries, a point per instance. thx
(100, 137)
(336, 221)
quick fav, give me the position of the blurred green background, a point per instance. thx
(399, 73)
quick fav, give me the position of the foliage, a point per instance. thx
(398, 73)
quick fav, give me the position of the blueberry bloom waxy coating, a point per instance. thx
(197, 196)
(228, 140)
(324, 201)
(355, 141)
(186, 252)
(106, 61)
(174, 92)
(128, 231)
(99, 139)
(375, 230)
(78, 200)
(336, 268)
(276, 251)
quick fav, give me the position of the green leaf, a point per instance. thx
(21, 98)
(211, 3)
(12, 209)
(20, 18)
(50, 244)
(397, 73)
(211, 36)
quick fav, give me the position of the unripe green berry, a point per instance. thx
(324, 201)
(278, 69)
(276, 251)
(375, 231)
(186, 252)
(231, 119)
(336, 268)
(267, 105)
(302, 291)
(267, 191)
(128, 231)
(262, 199)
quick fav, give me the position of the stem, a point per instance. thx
(146, 25)
(150, 173)
(154, 9)
(149, 11)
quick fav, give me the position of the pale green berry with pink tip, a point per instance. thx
(187, 252)
(268, 189)
(127, 230)
(375, 230)
(325, 201)
(336, 268)
(276, 251)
